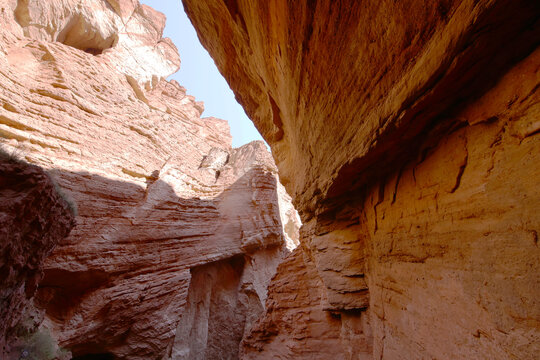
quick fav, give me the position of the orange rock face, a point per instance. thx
(295, 326)
(407, 133)
(164, 202)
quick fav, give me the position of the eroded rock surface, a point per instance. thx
(407, 133)
(296, 326)
(34, 218)
(163, 199)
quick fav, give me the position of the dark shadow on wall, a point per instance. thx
(483, 57)
(215, 306)
(132, 250)
(106, 356)
(34, 218)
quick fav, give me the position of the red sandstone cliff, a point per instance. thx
(178, 234)
(407, 133)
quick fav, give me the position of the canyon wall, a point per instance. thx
(172, 221)
(407, 134)
(34, 218)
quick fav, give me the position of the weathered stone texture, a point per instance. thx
(452, 252)
(407, 133)
(34, 218)
(295, 326)
(161, 193)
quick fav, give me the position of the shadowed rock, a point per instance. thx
(406, 132)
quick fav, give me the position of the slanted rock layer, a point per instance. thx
(165, 203)
(407, 133)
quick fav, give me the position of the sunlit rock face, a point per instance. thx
(128, 35)
(168, 212)
(407, 134)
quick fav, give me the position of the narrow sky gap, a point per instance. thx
(200, 76)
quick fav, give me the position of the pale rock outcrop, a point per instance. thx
(407, 134)
(128, 35)
(164, 201)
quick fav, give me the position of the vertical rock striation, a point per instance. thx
(164, 201)
(407, 134)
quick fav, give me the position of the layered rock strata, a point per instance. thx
(407, 133)
(164, 202)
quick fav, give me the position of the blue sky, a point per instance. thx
(200, 76)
